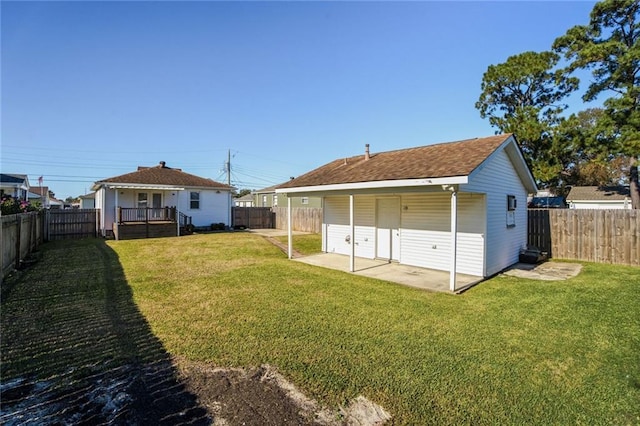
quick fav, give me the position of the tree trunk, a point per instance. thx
(634, 187)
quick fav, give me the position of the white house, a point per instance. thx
(157, 201)
(244, 201)
(14, 185)
(599, 197)
(88, 201)
(458, 206)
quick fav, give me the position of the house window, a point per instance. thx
(275, 201)
(142, 200)
(264, 201)
(304, 200)
(194, 200)
(511, 211)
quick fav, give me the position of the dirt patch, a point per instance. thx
(198, 394)
(547, 271)
(262, 396)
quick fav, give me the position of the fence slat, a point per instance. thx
(605, 236)
(304, 219)
(74, 223)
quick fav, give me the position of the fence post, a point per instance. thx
(18, 238)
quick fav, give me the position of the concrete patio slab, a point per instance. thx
(547, 271)
(426, 279)
(274, 232)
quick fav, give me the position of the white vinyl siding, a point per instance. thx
(426, 232)
(498, 178)
(337, 228)
(425, 237)
(618, 205)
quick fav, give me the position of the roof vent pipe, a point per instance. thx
(366, 151)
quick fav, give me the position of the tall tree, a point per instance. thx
(610, 47)
(524, 96)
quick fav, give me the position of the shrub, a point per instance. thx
(218, 227)
(10, 205)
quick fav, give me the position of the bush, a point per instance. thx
(9, 205)
(218, 227)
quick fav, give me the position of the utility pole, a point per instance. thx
(229, 167)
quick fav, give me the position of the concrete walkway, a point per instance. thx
(426, 279)
(274, 232)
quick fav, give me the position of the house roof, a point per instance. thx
(426, 162)
(161, 175)
(38, 192)
(268, 189)
(14, 180)
(599, 193)
(246, 197)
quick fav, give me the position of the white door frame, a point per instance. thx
(394, 232)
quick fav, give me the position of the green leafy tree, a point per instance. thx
(609, 47)
(242, 193)
(524, 96)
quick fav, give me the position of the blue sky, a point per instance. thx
(91, 90)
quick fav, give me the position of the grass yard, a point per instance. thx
(305, 243)
(509, 351)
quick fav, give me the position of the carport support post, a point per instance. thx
(454, 238)
(115, 213)
(352, 228)
(289, 230)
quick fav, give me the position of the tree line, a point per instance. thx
(526, 96)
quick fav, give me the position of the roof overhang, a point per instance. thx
(375, 185)
(142, 187)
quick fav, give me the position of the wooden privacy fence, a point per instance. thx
(253, 217)
(21, 235)
(605, 236)
(72, 223)
(304, 219)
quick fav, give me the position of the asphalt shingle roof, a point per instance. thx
(599, 193)
(432, 161)
(163, 175)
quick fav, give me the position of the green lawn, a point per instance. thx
(305, 243)
(509, 351)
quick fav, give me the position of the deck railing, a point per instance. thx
(184, 220)
(146, 214)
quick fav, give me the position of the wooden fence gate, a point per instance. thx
(253, 217)
(605, 236)
(71, 224)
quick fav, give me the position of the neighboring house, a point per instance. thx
(15, 185)
(267, 197)
(54, 203)
(599, 197)
(244, 201)
(156, 201)
(458, 207)
(42, 194)
(88, 201)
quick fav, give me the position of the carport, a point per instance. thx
(412, 276)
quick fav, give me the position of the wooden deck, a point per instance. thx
(133, 223)
(134, 230)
